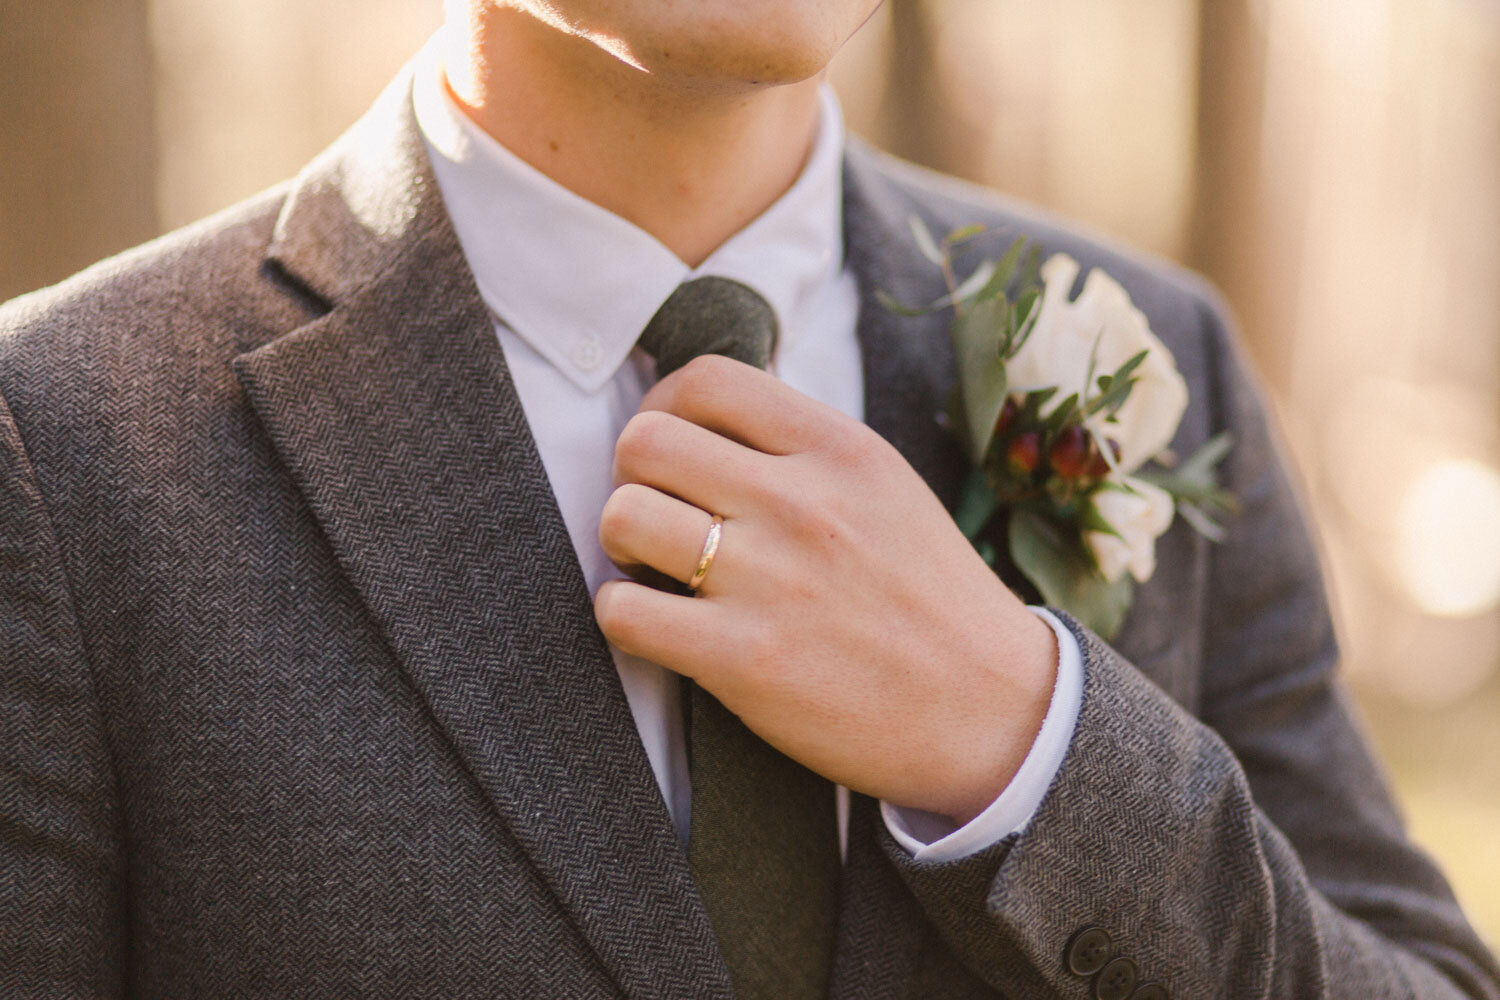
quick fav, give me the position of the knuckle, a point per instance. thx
(619, 514)
(860, 449)
(709, 367)
(643, 435)
(613, 609)
(810, 511)
(701, 381)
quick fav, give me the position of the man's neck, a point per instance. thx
(689, 167)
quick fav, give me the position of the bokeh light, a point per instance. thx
(1448, 540)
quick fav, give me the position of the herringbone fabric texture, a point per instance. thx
(301, 694)
(762, 843)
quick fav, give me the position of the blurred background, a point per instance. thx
(1334, 167)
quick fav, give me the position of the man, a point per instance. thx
(301, 512)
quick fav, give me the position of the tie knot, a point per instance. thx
(710, 315)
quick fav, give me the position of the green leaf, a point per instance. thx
(1089, 519)
(1201, 522)
(982, 380)
(977, 503)
(963, 234)
(925, 243)
(1061, 415)
(1031, 269)
(1031, 406)
(1023, 320)
(1204, 463)
(969, 288)
(1194, 483)
(1210, 497)
(1113, 397)
(1129, 367)
(1054, 559)
(1005, 270)
(1115, 389)
(895, 305)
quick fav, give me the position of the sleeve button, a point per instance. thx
(1116, 980)
(1151, 991)
(1088, 951)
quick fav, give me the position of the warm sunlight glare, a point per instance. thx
(1448, 541)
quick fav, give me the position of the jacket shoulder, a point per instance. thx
(1171, 295)
(150, 331)
(196, 287)
(1181, 307)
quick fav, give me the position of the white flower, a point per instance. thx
(1140, 513)
(1101, 326)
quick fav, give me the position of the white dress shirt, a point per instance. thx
(571, 286)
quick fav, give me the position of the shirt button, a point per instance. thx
(1088, 951)
(1116, 980)
(588, 353)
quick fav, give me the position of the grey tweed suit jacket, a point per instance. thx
(301, 694)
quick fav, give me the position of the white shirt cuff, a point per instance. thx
(929, 837)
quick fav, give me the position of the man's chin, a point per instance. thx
(721, 68)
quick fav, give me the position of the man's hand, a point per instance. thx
(845, 618)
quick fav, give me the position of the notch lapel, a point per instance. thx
(396, 415)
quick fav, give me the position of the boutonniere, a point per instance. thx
(1066, 408)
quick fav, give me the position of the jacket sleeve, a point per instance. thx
(1250, 853)
(62, 925)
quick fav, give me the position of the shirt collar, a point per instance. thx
(577, 282)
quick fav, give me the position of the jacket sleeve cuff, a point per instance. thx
(928, 837)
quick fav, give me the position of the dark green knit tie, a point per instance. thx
(763, 840)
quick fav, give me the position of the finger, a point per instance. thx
(670, 630)
(641, 526)
(708, 470)
(747, 405)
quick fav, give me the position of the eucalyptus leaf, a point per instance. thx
(1031, 406)
(925, 242)
(895, 305)
(1111, 399)
(969, 288)
(1031, 269)
(1136, 360)
(977, 503)
(964, 233)
(1026, 313)
(982, 378)
(1203, 464)
(1055, 561)
(1005, 270)
(1201, 522)
(1089, 519)
(1205, 494)
(1061, 414)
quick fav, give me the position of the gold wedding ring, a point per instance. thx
(710, 549)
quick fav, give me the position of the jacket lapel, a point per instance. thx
(909, 367)
(908, 360)
(396, 415)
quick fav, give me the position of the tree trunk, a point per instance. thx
(1233, 216)
(77, 167)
